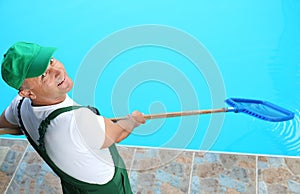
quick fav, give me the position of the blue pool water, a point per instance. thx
(165, 56)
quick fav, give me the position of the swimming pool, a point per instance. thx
(164, 57)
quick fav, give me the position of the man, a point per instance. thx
(75, 142)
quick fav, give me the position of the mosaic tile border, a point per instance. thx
(11, 154)
(160, 171)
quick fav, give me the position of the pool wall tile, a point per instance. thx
(11, 153)
(127, 155)
(155, 171)
(279, 175)
(161, 171)
(223, 173)
(34, 176)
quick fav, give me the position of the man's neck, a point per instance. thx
(47, 102)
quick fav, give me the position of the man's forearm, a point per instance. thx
(123, 135)
(113, 132)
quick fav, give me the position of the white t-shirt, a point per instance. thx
(73, 139)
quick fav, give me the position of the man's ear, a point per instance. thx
(27, 94)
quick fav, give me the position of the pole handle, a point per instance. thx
(147, 117)
(10, 131)
(177, 114)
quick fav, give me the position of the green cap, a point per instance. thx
(25, 60)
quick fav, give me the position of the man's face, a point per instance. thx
(51, 87)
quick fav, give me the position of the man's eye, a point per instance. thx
(44, 75)
(51, 61)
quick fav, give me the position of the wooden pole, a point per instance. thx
(177, 114)
(148, 117)
(10, 131)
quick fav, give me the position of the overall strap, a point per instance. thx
(71, 184)
(23, 127)
(44, 124)
(42, 152)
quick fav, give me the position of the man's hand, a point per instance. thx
(138, 117)
(132, 121)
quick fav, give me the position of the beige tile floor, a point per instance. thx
(160, 171)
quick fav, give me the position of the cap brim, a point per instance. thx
(41, 62)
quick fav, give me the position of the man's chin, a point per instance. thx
(70, 87)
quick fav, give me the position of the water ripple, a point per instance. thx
(289, 134)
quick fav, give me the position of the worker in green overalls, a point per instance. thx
(75, 141)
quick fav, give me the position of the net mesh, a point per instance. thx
(262, 110)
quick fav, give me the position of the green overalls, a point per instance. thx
(118, 185)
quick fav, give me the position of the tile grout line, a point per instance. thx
(212, 151)
(131, 165)
(191, 173)
(256, 176)
(18, 166)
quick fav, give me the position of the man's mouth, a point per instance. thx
(62, 81)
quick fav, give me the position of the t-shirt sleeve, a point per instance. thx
(11, 113)
(91, 127)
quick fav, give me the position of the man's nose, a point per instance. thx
(55, 71)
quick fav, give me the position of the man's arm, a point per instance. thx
(116, 132)
(8, 128)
